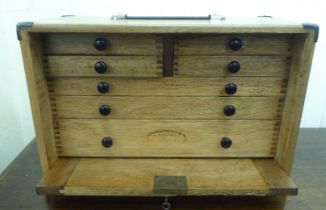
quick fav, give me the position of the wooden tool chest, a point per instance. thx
(167, 107)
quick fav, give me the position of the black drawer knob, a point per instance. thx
(235, 44)
(103, 87)
(107, 142)
(231, 88)
(234, 66)
(100, 67)
(226, 142)
(100, 44)
(229, 110)
(104, 110)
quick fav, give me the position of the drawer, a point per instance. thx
(168, 86)
(138, 107)
(251, 44)
(203, 65)
(166, 138)
(57, 66)
(107, 44)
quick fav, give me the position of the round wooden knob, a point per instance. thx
(234, 66)
(235, 44)
(226, 142)
(230, 88)
(229, 110)
(103, 87)
(107, 142)
(104, 110)
(100, 44)
(100, 67)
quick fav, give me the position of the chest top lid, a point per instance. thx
(263, 24)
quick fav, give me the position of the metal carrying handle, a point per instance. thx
(208, 17)
(127, 17)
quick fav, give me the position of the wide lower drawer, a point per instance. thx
(107, 44)
(57, 66)
(164, 177)
(138, 107)
(242, 44)
(166, 138)
(168, 86)
(203, 65)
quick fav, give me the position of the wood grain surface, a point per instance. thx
(300, 71)
(166, 86)
(212, 65)
(252, 44)
(117, 44)
(17, 187)
(39, 99)
(108, 177)
(132, 66)
(56, 178)
(150, 107)
(166, 138)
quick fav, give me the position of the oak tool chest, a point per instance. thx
(164, 107)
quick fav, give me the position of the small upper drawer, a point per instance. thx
(102, 44)
(102, 66)
(237, 44)
(204, 65)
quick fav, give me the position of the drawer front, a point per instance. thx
(108, 44)
(138, 107)
(254, 44)
(167, 86)
(166, 138)
(204, 65)
(57, 66)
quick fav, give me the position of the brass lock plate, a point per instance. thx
(170, 185)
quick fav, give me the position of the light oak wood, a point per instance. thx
(209, 65)
(302, 59)
(118, 44)
(168, 86)
(106, 25)
(275, 177)
(56, 178)
(171, 118)
(39, 99)
(253, 44)
(166, 138)
(137, 107)
(108, 176)
(58, 66)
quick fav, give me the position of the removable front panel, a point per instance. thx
(138, 177)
